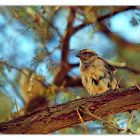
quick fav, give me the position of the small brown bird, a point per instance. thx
(98, 76)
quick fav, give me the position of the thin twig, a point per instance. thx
(106, 122)
(129, 123)
(99, 119)
(118, 82)
(133, 81)
(130, 120)
(16, 105)
(21, 71)
(82, 121)
(114, 121)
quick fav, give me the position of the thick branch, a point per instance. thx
(48, 120)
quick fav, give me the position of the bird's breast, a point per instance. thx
(96, 79)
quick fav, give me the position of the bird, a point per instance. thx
(98, 76)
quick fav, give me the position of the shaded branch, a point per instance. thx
(47, 120)
(73, 82)
(115, 12)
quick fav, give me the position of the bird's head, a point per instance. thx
(86, 54)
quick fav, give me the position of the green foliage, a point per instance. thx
(6, 106)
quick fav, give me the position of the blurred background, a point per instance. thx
(37, 56)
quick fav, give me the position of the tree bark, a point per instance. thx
(50, 119)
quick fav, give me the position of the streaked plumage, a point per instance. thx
(98, 76)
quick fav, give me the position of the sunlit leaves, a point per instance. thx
(90, 15)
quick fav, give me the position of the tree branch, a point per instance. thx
(64, 67)
(101, 18)
(47, 120)
(116, 11)
(73, 82)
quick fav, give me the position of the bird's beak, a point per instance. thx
(77, 55)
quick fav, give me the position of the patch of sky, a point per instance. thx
(121, 122)
(60, 20)
(2, 19)
(10, 92)
(126, 25)
(10, 73)
(16, 44)
(43, 70)
(79, 20)
(74, 72)
(93, 125)
(56, 56)
(53, 43)
(17, 48)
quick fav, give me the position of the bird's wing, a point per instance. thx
(108, 66)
